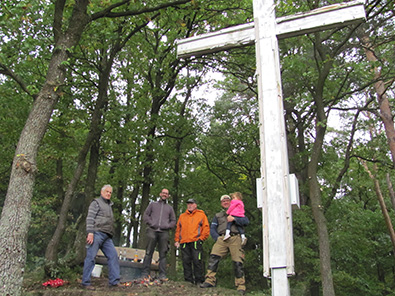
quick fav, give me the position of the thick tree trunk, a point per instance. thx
(15, 218)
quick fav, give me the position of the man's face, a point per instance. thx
(164, 194)
(225, 203)
(191, 206)
(106, 192)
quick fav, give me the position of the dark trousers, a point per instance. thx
(239, 228)
(153, 238)
(192, 261)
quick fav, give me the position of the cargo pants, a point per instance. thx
(220, 249)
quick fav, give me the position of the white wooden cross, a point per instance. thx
(265, 32)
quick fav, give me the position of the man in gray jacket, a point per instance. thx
(160, 218)
(100, 230)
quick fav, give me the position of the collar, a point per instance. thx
(106, 200)
(162, 200)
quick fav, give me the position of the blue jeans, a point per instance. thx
(153, 238)
(101, 241)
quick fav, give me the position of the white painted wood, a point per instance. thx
(280, 286)
(232, 37)
(289, 26)
(259, 191)
(294, 191)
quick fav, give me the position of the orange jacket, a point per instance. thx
(192, 227)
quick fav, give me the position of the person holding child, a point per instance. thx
(236, 209)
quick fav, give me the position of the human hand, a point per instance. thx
(230, 218)
(89, 238)
(177, 244)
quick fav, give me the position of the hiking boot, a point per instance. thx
(206, 285)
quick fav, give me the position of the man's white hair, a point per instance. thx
(105, 186)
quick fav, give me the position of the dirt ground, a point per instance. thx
(135, 287)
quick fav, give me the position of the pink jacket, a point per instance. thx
(236, 208)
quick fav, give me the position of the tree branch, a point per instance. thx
(8, 72)
(108, 11)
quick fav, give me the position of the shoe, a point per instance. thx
(206, 285)
(116, 286)
(241, 292)
(226, 236)
(243, 242)
(90, 288)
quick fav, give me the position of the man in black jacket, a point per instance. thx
(160, 218)
(100, 230)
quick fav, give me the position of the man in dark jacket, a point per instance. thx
(221, 248)
(100, 230)
(160, 218)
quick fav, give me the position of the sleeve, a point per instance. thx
(90, 218)
(172, 218)
(213, 228)
(178, 229)
(147, 215)
(205, 228)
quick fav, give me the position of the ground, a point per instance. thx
(133, 288)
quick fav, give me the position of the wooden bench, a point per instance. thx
(130, 262)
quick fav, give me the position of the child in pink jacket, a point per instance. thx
(236, 209)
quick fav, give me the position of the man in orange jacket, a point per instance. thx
(192, 230)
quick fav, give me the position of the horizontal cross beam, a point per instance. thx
(289, 26)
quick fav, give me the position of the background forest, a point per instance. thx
(92, 93)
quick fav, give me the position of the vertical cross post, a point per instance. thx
(276, 215)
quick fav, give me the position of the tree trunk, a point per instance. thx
(181, 134)
(383, 207)
(134, 218)
(319, 217)
(80, 240)
(16, 215)
(314, 185)
(118, 238)
(147, 170)
(382, 98)
(391, 190)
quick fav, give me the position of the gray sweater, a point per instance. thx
(159, 216)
